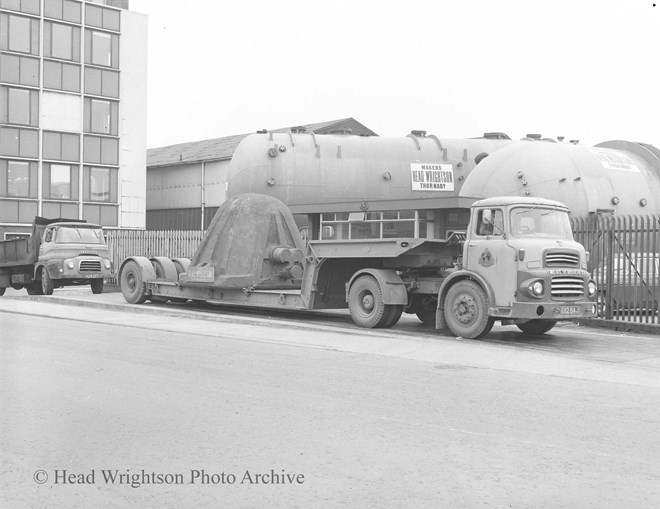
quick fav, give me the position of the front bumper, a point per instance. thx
(554, 310)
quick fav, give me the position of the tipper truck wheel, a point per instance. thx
(47, 286)
(131, 282)
(537, 326)
(466, 310)
(365, 302)
(97, 285)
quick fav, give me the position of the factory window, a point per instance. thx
(101, 82)
(60, 181)
(102, 18)
(26, 6)
(98, 150)
(19, 106)
(61, 146)
(19, 142)
(18, 179)
(62, 9)
(100, 184)
(19, 34)
(100, 116)
(61, 41)
(101, 49)
(19, 70)
(61, 76)
(370, 225)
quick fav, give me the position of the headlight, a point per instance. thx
(71, 265)
(108, 264)
(536, 288)
(591, 288)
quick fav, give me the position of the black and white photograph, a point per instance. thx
(329, 254)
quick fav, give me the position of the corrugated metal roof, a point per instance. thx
(223, 148)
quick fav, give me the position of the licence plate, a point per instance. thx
(569, 310)
(91, 276)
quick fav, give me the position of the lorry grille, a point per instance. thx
(567, 287)
(90, 266)
(562, 259)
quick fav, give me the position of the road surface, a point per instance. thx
(223, 409)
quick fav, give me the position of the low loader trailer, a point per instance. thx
(516, 263)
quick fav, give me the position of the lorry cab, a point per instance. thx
(522, 250)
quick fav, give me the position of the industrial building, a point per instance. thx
(72, 112)
(186, 183)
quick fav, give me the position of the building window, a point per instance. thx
(61, 76)
(97, 150)
(19, 142)
(101, 49)
(61, 41)
(60, 182)
(100, 184)
(62, 9)
(102, 18)
(19, 70)
(100, 116)
(61, 146)
(18, 179)
(101, 82)
(19, 34)
(26, 6)
(19, 106)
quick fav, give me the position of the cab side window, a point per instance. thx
(490, 222)
(48, 236)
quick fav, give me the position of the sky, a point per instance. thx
(582, 69)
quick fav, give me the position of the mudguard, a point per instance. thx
(393, 288)
(165, 268)
(148, 271)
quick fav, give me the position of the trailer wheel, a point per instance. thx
(132, 283)
(97, 285)
(47, 286)
(537, 326)
(466, 310)
(365, 302)
(393, 313)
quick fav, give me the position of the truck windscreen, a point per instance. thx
(73, 235)
(540, 223)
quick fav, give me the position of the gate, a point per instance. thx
(625, 264)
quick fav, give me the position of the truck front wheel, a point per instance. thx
(466, 310)
(132, 283)
(47, 285)
(365, 302)
(97, 285)
(537, 326)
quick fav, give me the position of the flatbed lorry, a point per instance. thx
(517, 263)
(59, 252)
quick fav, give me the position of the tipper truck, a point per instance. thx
(59, 252)
(516, 262)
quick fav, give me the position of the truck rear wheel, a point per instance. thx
(97, 285)
(393, 313)
(537, 326)
(365, 302)
(47, 286)
(131, 282)
(466, 310)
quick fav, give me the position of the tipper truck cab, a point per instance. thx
(516, 262)
(59, 252)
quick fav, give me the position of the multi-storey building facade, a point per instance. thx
(72, 112)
